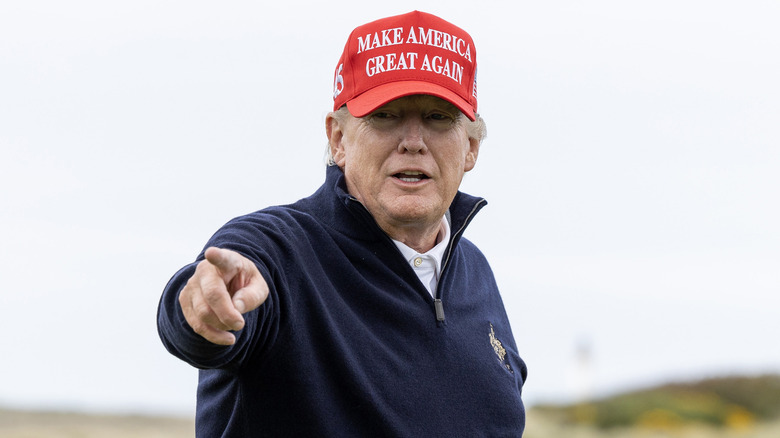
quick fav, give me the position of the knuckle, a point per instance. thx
(184, 298)
(201, 310)
(198, 327)
(212, 295)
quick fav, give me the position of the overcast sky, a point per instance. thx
(632, 169)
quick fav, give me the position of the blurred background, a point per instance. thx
(632, 168)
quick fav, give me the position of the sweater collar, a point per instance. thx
(462, 210)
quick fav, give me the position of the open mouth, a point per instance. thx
(411, 176)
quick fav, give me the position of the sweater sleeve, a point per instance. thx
(259, 329)
(275, 240)
(176, 334)
(181, 340)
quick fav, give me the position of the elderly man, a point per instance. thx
(361, 310)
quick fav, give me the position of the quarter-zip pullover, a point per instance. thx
(349, 341)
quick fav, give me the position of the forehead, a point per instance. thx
(422, 101)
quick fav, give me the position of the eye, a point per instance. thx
(383, 115)
(441, 116)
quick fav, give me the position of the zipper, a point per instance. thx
(470, 216)
(439, 307)
(438, 304)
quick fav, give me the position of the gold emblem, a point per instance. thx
(499, 349)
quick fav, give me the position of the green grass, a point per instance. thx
(728, 402)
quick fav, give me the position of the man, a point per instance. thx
(361, 310)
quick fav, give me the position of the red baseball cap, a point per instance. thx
(414, 53)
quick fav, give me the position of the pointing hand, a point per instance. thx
(224, 286)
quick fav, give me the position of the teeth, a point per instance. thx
(410, 176)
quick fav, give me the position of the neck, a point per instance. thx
(421, 239)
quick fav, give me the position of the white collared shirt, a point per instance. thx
(428, 266)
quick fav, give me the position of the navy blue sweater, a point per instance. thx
(349, 342)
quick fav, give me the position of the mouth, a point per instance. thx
(411, 176)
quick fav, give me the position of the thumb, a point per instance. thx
(252, 295)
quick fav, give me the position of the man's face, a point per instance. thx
(405, 161)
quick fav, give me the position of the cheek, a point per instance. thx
(358, 169)
(457, 159)
(367, 158)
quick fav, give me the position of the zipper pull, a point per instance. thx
(437, 304)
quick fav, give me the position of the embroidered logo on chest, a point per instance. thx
(499, 350)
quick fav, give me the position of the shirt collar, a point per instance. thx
(437, 252)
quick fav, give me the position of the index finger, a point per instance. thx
(225, 260)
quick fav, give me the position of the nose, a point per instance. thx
(412, 136)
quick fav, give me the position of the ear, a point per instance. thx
(335, 132)
(471, 154)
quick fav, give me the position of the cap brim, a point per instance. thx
(374, 98)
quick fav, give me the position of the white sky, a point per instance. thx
(632, 168)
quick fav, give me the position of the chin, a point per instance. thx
(416, 212)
